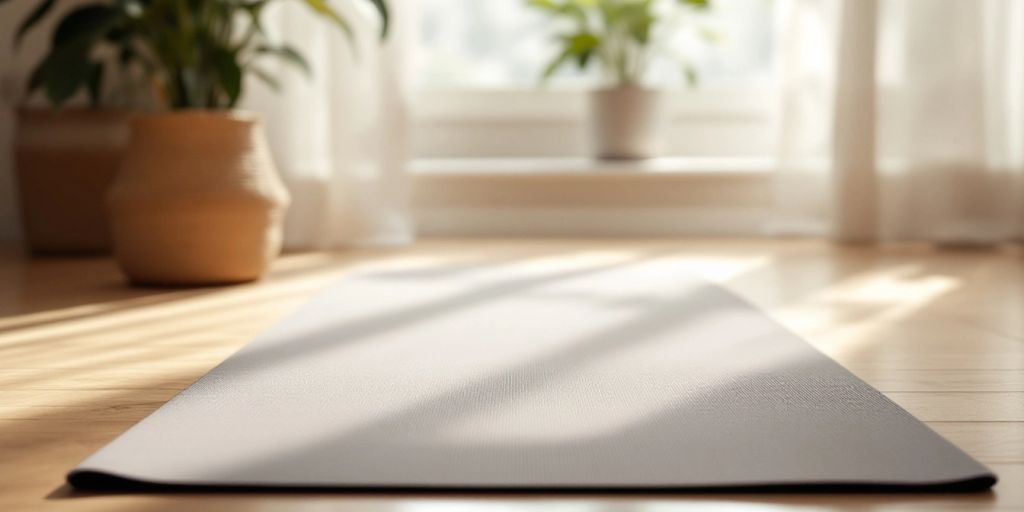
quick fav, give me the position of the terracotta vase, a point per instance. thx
(64, 161)
(627, 122)
(198, 200)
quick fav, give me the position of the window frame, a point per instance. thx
(524, 122)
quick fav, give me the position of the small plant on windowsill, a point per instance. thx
(197, 200)
(623, 38)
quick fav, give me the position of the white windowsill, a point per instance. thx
(588, 167)
(579, 196)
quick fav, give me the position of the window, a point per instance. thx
(479, 64)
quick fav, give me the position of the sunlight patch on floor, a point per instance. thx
(841, 318)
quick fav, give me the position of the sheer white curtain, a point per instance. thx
(902, 120)
(340, 137)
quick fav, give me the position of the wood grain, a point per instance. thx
(83, 357)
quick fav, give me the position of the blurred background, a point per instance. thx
(877, 120)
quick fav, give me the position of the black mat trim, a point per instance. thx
(100, 481)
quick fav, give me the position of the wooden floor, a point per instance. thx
(83, 357)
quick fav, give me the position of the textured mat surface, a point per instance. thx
(530, 377)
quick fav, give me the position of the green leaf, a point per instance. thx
(582, 42)
(84, 25)
(94, 85)
(229, 74)
(67, 67)
(583, 58)
(31, 20)
(385, 16)
(288, 54)
(579, 46)
(555, 63)
(691, 75)
(266, 78)
(611, 13)
(255, 11)
(569, 9)
(698, 4)
(637, 19)
(547, 5)
(64, 72)
(323, 8)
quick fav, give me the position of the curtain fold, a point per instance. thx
(340, 135)
(909, 124)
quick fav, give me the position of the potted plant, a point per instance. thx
(66, 157)
(627, 118)
(198, 200)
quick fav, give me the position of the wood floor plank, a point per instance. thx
(83, 357)
(890, 380)
(946, 406)
(989, 442)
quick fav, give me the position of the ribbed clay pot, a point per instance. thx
(198, 200)
(64, 161)
(627, 122)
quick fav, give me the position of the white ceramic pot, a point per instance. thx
(64, 162)
(198, 200)
(627, 122)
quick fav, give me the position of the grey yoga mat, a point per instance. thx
(531, 376)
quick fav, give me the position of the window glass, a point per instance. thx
(504, 44)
